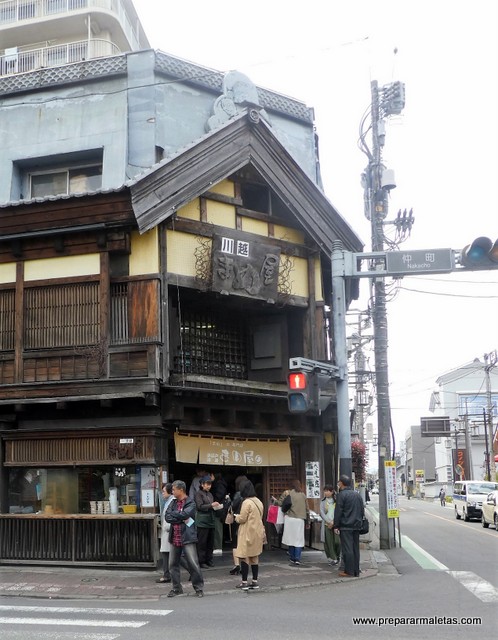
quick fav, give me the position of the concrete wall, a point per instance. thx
(124, 117)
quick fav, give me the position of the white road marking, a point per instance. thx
(62, 635)
(74, 623)
(89, 610)
(479, 587)
(459, 523)
(421, 556)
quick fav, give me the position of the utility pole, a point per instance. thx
(490, 360)
(362, 396)
(470, 472)
(488, 463)
(385, 101)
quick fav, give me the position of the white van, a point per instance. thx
(468, 496)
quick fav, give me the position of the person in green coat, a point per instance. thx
(330, 539)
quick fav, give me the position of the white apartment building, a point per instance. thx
(463, 397)
(39, 34)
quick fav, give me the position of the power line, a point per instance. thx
(455, 281)
(449, 295)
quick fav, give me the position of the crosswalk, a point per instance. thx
(84, 618)
(480, 588)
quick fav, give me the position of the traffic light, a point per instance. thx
(299, 392)
(309, 392)
(482, 253)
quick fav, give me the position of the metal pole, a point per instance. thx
(488, 467)
(378, 212)
(341, 358)
(468, 447)
(490, 360)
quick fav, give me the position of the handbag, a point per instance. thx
(272, 515)
(286, 504)
(365, 526)
(229, 518)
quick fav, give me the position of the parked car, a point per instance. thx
(374, 491)
(490, 510)
(468, 496)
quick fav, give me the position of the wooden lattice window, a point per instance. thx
(212, 344)
(135, 312)
(7, 320)
(62, 316)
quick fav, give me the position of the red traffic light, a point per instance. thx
(297, 380)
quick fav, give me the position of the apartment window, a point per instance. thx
(65, 181)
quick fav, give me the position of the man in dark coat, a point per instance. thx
(183, 538)
(348, 514)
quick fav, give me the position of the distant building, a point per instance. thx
(420, 460)
(462, 396)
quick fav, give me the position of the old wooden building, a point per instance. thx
(147, 331)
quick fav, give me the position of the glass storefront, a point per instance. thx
(87, 490)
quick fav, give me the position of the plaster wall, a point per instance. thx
(144, 257)
(43, 126)
(63, 267)
(129, 117)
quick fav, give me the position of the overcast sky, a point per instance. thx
(443, 148)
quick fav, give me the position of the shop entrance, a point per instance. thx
(187, 472)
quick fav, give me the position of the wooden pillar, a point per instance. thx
(19, 324)
(105, 301)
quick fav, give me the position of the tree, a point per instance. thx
(358, 460)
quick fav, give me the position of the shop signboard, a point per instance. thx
(245, 268)
(313, 479)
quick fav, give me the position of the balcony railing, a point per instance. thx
(33, 59)
(18, 10)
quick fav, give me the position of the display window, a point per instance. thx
(86, 490)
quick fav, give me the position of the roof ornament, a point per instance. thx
(239, 93)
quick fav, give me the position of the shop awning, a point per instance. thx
(232, 452)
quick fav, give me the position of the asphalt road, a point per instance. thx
(446, 570)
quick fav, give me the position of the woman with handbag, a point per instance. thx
(250, 537)
(234, 508)
(296, 511)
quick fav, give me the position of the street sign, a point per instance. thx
(420, 261)
(391, 489)
(432, 427)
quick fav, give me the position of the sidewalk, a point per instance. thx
(275, 574)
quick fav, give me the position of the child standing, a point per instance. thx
(331, 541)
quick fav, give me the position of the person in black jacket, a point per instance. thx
(348, 514)
(205, 522)
(219, 490)
(183, 538)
